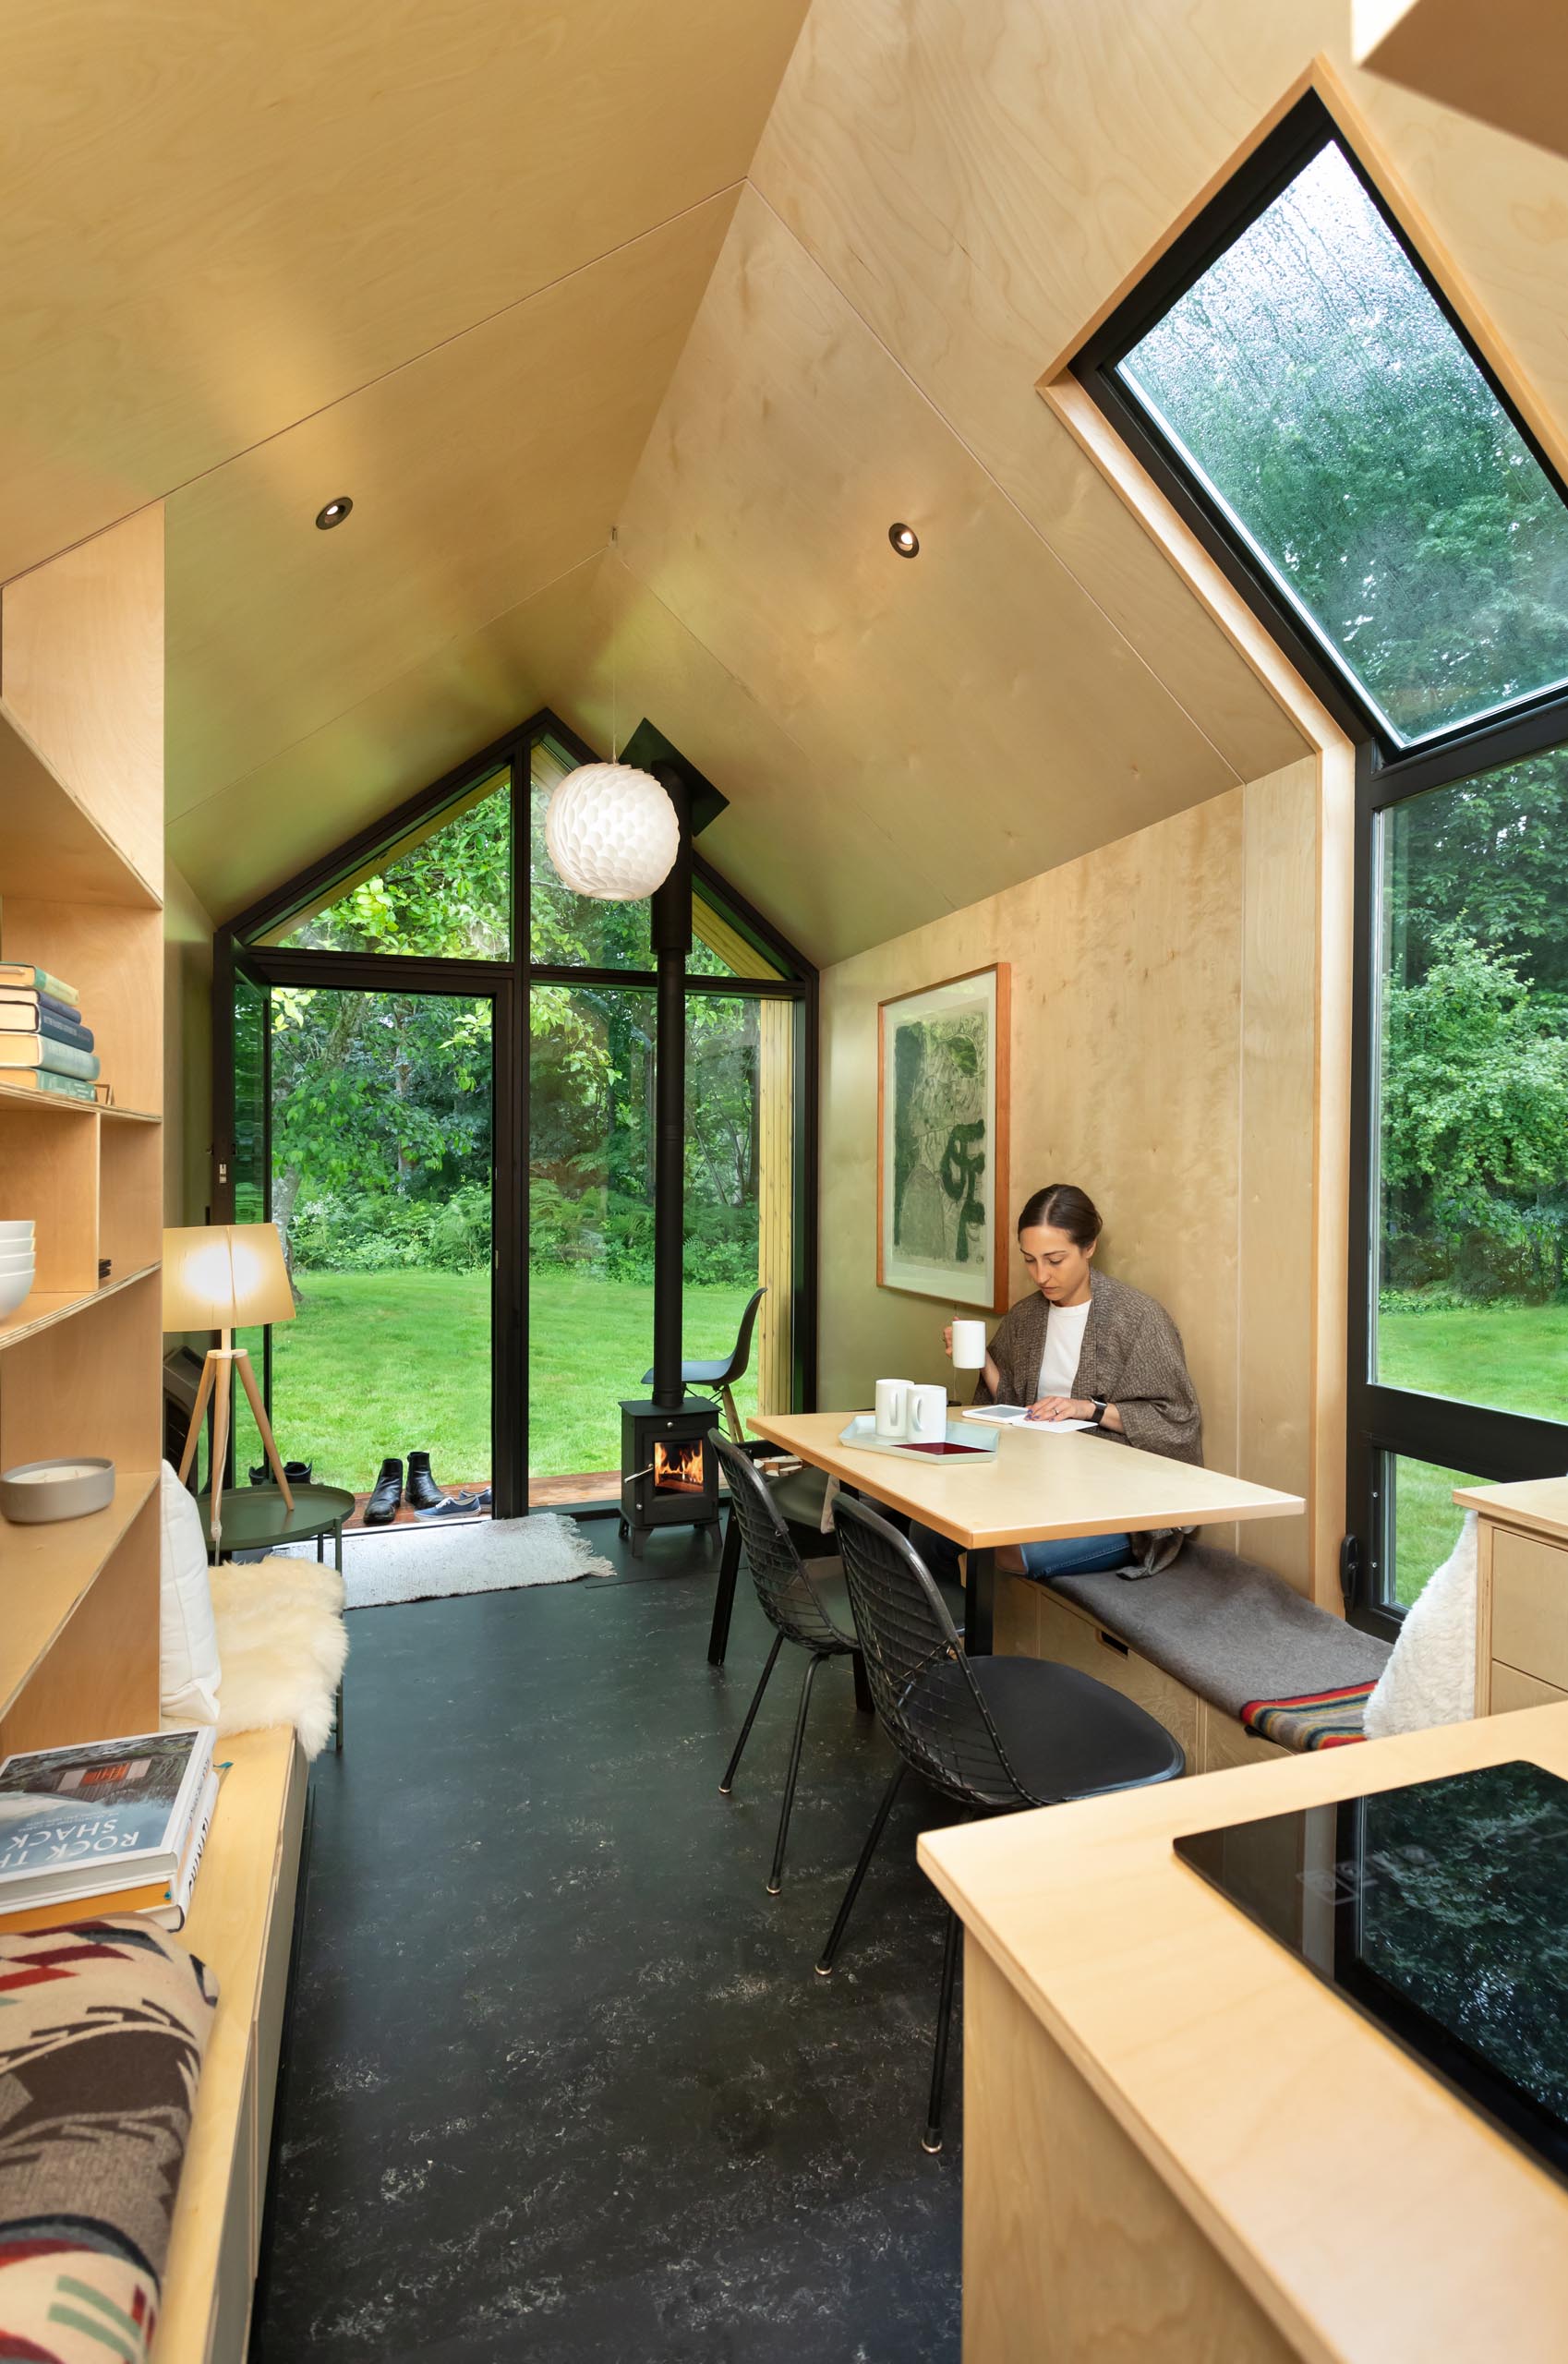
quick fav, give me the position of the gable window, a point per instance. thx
(435, 1072)
(1299, 385)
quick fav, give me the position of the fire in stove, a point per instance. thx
(678, 1469)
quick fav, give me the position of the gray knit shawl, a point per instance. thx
(1131, 1356)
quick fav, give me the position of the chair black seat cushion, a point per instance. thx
(1066, 1735)
(708, 1374)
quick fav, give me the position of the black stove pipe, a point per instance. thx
(672, 943)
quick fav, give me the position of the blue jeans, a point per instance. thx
(1067, 1555)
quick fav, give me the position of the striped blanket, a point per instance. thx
(1316, 1720)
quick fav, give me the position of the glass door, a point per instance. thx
(381, 1137)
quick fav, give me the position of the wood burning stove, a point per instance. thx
(668, 1472)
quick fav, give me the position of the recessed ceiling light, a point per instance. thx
(905, 540)
(334, 512)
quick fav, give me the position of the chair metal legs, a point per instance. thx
(776, 1876)
(751, 1716)
(724, 1595)
(932, 2138)
(825, 1967)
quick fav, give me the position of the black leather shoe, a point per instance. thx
(426, 1496)
(382, 1508)
(297, 1472)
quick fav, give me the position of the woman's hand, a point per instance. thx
(1061, 1408)
(947, 1341)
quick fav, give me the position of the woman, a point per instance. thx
(1084, 1346)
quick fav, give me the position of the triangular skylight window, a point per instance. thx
(1341, 433)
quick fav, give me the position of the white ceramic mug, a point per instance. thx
(969, 1345)
(893, 1407)
(928, 1413)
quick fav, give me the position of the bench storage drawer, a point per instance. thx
(1070, 1637)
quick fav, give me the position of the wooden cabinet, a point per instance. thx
(1521, 1594)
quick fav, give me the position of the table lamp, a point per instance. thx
(226, 1277)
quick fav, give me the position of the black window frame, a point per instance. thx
(1280, 156)
(507, 983)
(1382, 1422)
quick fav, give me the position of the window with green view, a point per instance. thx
(1344, 433)
(443, 891)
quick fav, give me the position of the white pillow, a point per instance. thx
(1430, 1679)
(188, 1672)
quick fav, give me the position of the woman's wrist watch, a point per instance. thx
(1102, 1405)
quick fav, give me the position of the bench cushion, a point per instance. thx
(1231, 1631)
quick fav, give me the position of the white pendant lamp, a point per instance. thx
(612, 832)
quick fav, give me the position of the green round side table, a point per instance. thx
(253, 1517)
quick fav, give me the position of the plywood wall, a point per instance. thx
(187, 1051)
(1163, 1047)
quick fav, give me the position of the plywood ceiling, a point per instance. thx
(463, 267)
(479, 473)
(221, 215)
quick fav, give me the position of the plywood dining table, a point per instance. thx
(1038, 1485)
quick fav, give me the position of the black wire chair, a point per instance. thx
(994, 1735)
(806, 1605)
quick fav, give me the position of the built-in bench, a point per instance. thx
(1234, 1663)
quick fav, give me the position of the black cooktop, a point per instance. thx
(1441, 1912)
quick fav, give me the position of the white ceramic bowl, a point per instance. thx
(23, 1261)
(12, 1234)
(11, 1249)
(15, 1289)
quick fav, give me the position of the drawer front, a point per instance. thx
(1510, 1689)
(1227, 1741)
(1073, 1641)
(1530, 1606)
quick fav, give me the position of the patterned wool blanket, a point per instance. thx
(102, 2030)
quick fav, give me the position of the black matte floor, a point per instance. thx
(562, 2083)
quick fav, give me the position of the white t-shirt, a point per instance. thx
(1064, 1345)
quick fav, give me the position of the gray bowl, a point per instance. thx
(36, 1492)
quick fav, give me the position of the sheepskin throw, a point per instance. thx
(102, 2030)
(1430, 1679)
(282, 1643)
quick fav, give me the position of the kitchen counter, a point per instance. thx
(1180, 2148)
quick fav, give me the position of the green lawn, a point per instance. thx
(382, 1362)
(1512, 1357)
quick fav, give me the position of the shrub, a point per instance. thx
(366, 1232)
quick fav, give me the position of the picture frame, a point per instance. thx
(942, 1174)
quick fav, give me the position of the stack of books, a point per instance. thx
(106, 1827)
(44, 1044)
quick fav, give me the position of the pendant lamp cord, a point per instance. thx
(614, 664)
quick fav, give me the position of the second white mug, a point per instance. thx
(893, 1407)
(928, 1413)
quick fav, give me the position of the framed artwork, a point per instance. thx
(942, 1140)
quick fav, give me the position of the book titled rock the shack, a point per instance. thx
(99, 1815)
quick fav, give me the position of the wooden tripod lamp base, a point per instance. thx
(217, 1382)
(221, 1277)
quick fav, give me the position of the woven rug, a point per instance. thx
(481, 1555)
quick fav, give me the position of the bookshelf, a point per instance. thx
(81, 836)
(81, 822)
